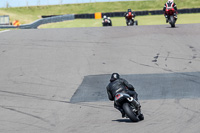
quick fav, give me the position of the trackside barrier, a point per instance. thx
(54, 19)
(82, 16)
(41, 21)
(98, 15)
(138, 13)
(7, 26)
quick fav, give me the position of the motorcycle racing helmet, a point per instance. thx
(104, 16)
(129, 10)
(114, 76)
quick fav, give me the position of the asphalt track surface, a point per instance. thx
(53, 80)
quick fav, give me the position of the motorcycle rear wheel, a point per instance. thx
(131, 115)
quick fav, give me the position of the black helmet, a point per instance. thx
(129, 10)
(114, 76)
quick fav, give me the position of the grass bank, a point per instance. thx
(120, 21)
(29, 14)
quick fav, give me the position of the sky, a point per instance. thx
(20, 3)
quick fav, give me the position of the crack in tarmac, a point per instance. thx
(33, 96)
(27, 114)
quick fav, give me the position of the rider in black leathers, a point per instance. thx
(108, 18)
(117, 85)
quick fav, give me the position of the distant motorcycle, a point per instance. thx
(130, 20)
(126, 102)
(106, 22)
(170, 12)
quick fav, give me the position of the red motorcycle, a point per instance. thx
(170, 12)
(130, 20)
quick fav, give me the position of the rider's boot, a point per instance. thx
(175, 16)
(166, 18)
(137, 105)
(122, 112)
(120, 109)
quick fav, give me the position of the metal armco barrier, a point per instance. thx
(39, 22)
(54, 19)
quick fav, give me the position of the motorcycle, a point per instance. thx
(106, 22)
(170, 12)
(128, 104)
(130, 20)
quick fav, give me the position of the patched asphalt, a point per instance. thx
(148, 86)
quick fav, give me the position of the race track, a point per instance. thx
(53, 80)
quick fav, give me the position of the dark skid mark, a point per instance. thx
(156, 58)
(167, 56)
(24, 113)
(191, 47)
(168, 70)
(32, 96)
(194, 57)
(148, 86)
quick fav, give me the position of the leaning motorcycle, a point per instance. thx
(106, 22)
(130, 20)
(127, 103)
(170, 12)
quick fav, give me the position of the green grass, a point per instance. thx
(120, 21)
(29, 14)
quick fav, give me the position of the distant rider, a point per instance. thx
(108, 18)
(168, 4)
(117, 85)
(126, 15)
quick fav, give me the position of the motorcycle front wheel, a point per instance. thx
(172, 20)
(128, 111)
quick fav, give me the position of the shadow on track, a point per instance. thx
(173, 27)
(123, 120)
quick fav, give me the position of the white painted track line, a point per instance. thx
(4, 31)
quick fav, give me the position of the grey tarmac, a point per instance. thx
(53, 80)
